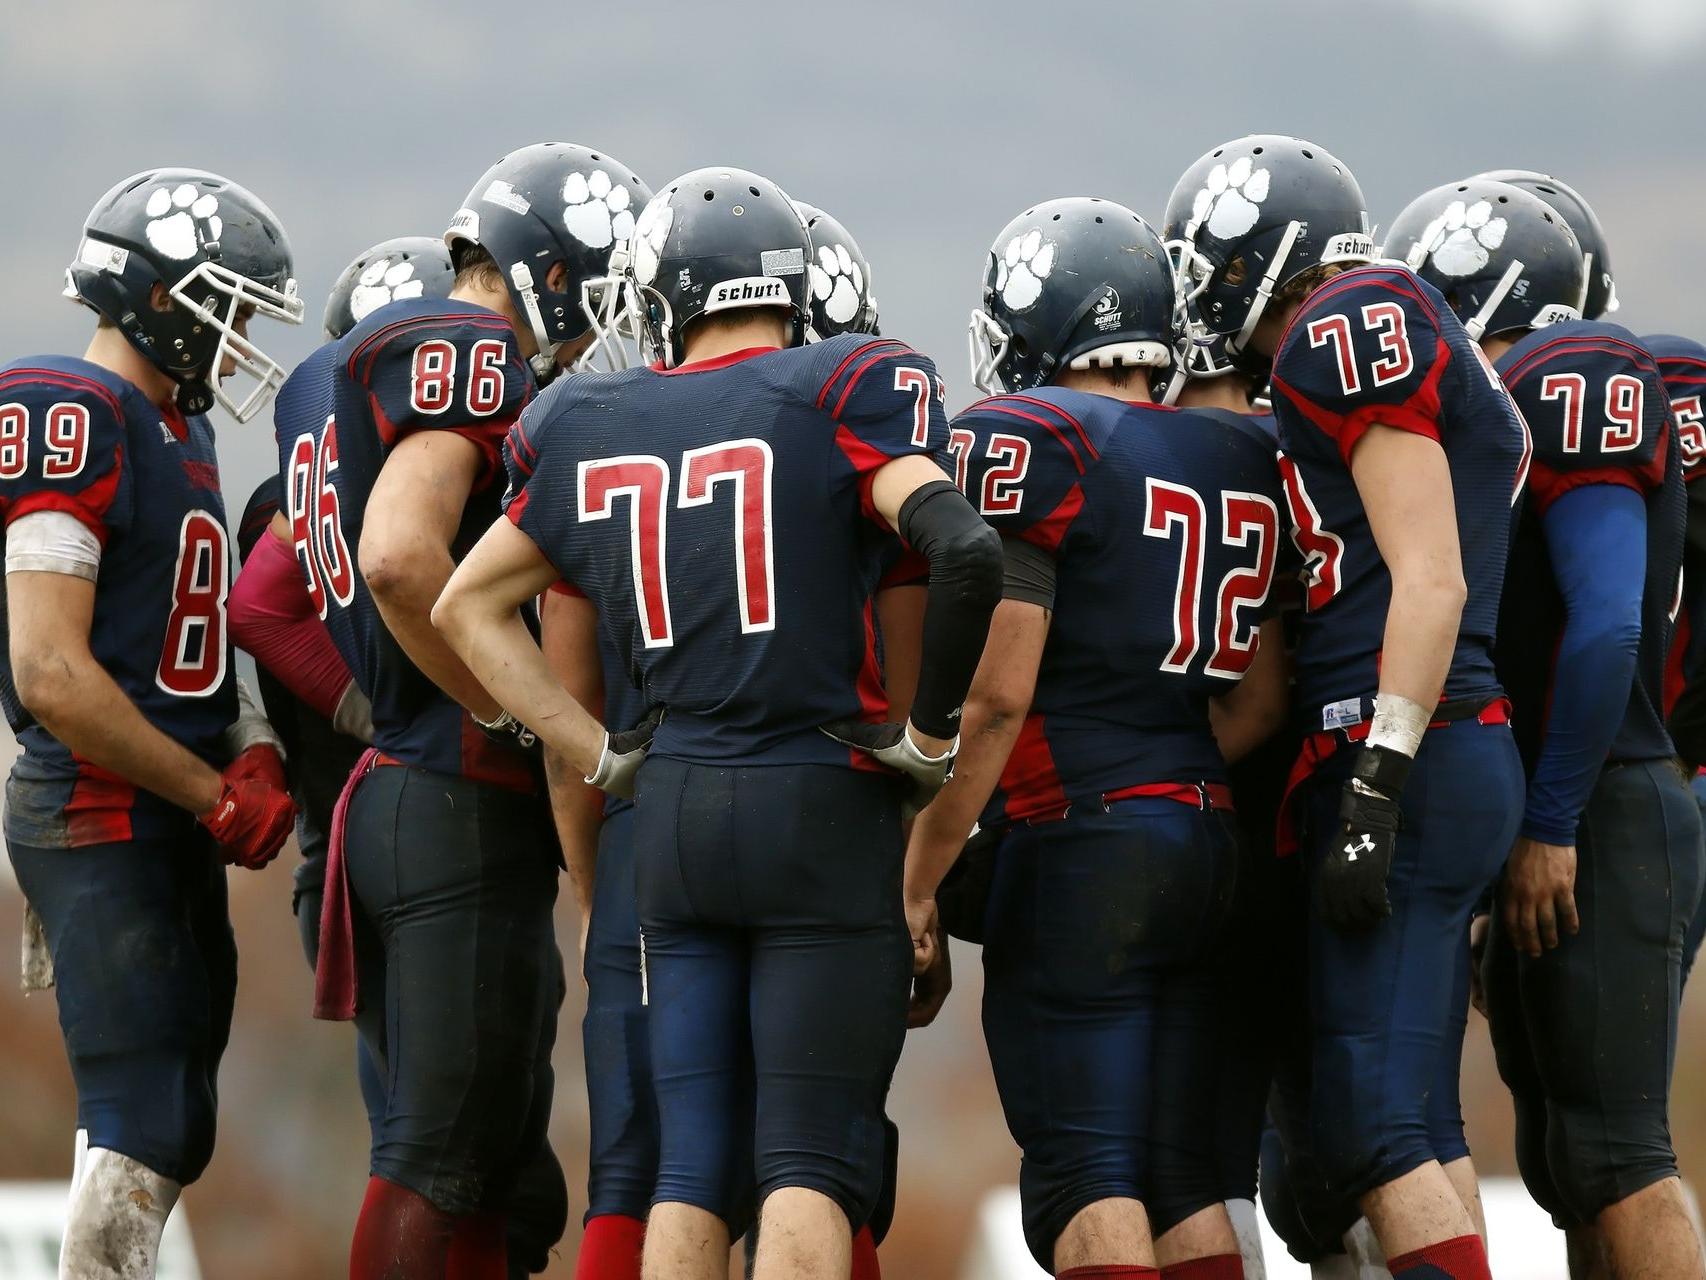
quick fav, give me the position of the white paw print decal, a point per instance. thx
(175, 213)
(597, 214)
(381, 281)
(650, 232)
(837, 282)
(1022, 268)
(1462, 239)
(1227, 206)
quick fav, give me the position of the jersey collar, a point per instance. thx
(715, 362)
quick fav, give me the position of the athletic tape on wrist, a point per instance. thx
(1398, 724)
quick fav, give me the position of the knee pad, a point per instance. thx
(157, 1108)
(537, 1212)
(1597, 1159)
(118, 1211)
(1051, 1196)
(1303, 1211)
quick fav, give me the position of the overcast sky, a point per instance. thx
(924, 127)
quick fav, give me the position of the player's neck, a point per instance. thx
(112, 351)
(1495, 345)
(476, 293)
(724, 340)
(1229, 392)
(1127, 384)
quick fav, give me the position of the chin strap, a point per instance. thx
(521, 283)
(1477, 324)
(1265, 289)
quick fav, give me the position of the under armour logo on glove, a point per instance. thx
(1366, 845)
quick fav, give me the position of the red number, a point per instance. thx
(1383, 319)
(1571, 388)
(1322, 550)
(1002, 492)
(917, 382)
(1337, 330)
(1168, 505)
(486, 380)
(432, 376)
(746, 464)
(960, 442)
(1244, 518)
(1690, 430)
(14, 440)
(194, 657)
(1387, 320)
(643, 480)
(1624, 397)
(311, 505)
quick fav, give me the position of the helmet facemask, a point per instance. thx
(200, 291)
(987, 344)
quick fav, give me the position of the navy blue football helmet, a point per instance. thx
(549, 203)
(218, 251)
(1074, 284)
(405, 267)
(1244, 222)
(842, 301)
(716, 240)
(1601, 297)
(1504, 259)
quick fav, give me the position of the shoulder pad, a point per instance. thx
(63, 437)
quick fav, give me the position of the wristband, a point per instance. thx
(1380, 771)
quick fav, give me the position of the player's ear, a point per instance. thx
(557, 278)
(160, 298)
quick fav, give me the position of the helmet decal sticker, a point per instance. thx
(1022, 268)
(1461, 239)
(1227, 204)
(596, 212)
(182, 220)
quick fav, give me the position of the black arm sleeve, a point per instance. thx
(1029, 573)
(965, 586)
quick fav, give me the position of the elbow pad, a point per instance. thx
(966, 569)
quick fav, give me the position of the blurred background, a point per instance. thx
(922, 127)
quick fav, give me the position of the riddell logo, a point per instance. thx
(747, 291)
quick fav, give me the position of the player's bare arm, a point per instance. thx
(479, 618)
(412, 517)
(995, 711)
(568, 636)
(64, 687)
(1253, 711)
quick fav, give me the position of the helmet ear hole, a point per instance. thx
(1236, 273)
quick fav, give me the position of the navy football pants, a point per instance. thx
(1696, 925)
(460, 978)
(778, 968)
(146, 973)
(1586, 1034)
(1388, 1005)
(1101, 1012)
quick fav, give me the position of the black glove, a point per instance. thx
(891, 745)
(507, 731)
(623, 755)
(1352, 879)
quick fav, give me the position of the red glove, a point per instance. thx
(254, 815)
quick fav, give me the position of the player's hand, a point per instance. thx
(1351, 882)
(1539, 895)
(930, 987)
(925, 929)
(261, 762)
(623, 754)
(586, 932)
(510, 732)
(1480, 929)
(251, 820)
(893, 745)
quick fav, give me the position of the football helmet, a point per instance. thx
(1245, 221)
(842, 301)
(1504, 259)
(1074, 283)
(218, 251)
(716, 240)
(548, 203)
(406, 267)
(1601, 297)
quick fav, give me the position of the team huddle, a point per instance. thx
(1291, 648)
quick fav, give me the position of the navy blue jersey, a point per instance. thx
(719, 516)
(1682, 365)
(1165, 528)
(423, 364)
(1373, 346)
(1600, 415)
(78, 439)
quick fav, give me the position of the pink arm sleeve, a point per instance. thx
(273, 620)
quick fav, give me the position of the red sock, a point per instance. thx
(610, 1248)
(477, 1249)
(1108, 1273)
(1460, 1258)
(1216, 1266)
(865, 1265)
(400, 1235)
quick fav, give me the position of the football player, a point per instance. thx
(1089, 746)
(1599, 291)
(404, 472)
(141, 775)
(727, 512)
(1401, 457)
(1583, 1018)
